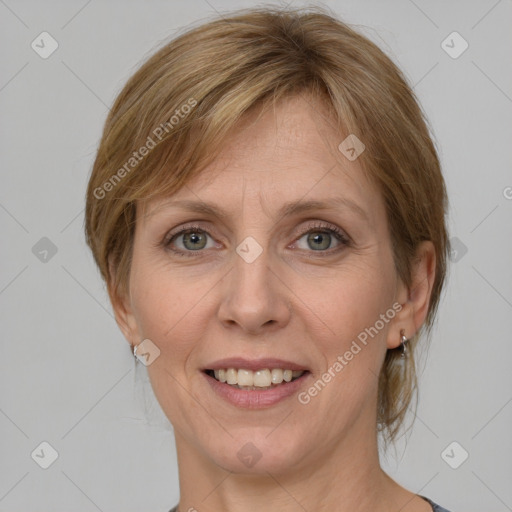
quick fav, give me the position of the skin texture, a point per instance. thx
(293, 302)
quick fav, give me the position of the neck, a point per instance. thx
(344, 476)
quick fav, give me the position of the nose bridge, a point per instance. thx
(253, 297)
(252, 257)
(252, 278)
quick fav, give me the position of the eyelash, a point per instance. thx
(335, 231)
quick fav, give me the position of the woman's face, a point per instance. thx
(315, 288)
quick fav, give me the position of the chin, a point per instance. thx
(255, 452)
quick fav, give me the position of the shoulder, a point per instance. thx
(435, 506)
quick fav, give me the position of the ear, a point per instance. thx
(414, 300)
(123, 311)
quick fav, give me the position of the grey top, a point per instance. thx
(435, 506)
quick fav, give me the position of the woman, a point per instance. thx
(268, 212)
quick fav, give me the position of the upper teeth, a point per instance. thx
(261, 378)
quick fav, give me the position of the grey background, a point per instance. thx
(67, 376)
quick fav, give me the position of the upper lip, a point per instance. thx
(254, 364)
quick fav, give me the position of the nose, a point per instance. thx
(254, 299)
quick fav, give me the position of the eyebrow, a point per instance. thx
(288, 209)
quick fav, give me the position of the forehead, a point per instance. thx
(287, 152)
(297, 132)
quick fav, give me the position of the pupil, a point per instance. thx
(195, 238)
(318, 239)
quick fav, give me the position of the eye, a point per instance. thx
(188, 239)
(320, 237)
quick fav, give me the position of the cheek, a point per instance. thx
(168, 308)
(351, 351)
(345, 305)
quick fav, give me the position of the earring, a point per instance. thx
(403, 341)
(135, 351)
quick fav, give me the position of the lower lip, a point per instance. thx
(253, 399)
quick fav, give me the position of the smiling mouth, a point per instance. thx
(259, 380)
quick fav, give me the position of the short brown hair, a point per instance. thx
(184, 99)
